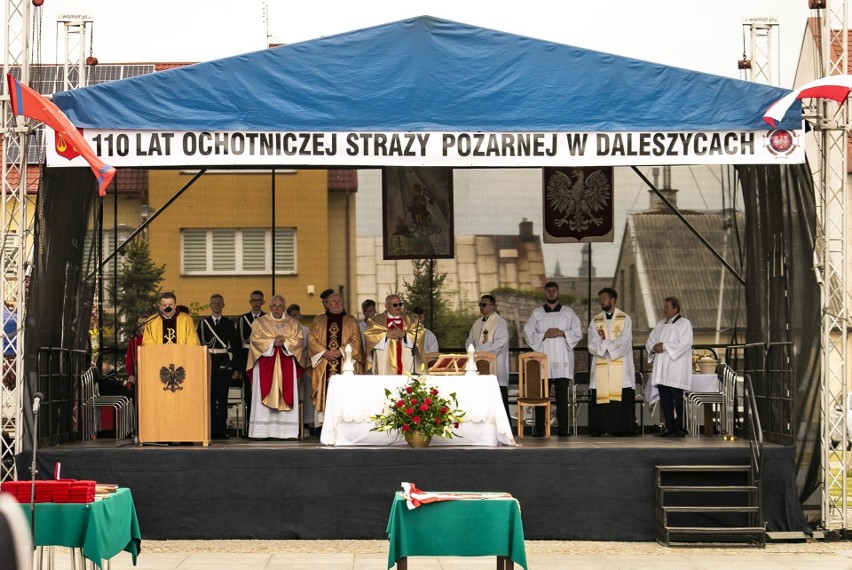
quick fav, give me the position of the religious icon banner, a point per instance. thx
(417, 212)
(578, 204)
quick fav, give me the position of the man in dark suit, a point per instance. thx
(219, 335)
(241, 356)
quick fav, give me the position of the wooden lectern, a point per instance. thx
(174, 394)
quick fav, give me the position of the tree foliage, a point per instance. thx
(425, 291)
(138, 283)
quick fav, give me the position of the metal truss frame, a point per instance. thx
(832, 124)
(13, 224)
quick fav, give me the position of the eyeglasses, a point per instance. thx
(396, 304)
(484, 304)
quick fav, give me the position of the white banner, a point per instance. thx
(458, 149)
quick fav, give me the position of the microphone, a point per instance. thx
(37, 398)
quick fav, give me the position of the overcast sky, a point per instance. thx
(700, 35)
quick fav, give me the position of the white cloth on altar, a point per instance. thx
(266, 422)
(351, 400)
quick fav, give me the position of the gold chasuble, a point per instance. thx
(608, 373)
(279, 371)
(393, 358)
(330, 332)
(184, 331)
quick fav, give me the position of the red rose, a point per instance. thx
(456, 424)
(437, 421)
(413, 401)
(424, 407)
(408, 389)
(444, 409)
(416, 419)
(428, 400)
(409, 411)
(400, 404)
(434, 391)
(406, 427)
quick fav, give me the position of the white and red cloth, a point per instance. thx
(414, 497)
(834, 87)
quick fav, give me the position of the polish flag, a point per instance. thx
(30, 104)
(834, 87)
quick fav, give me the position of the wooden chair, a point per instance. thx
(430, 358)
(486, 363)
(533, 388)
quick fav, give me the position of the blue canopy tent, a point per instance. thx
(427, 75)
(433, 76)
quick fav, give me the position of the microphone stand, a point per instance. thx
(414, 350)
(33, 467)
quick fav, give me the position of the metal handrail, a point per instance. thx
(755, 440)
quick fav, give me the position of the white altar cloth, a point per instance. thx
(351, 400)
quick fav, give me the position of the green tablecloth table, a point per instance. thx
(490, 527)
(101, 529)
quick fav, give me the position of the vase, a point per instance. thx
(417, 439)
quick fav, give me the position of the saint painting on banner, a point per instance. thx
(417, 212)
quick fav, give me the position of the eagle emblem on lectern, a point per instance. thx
(172, 377)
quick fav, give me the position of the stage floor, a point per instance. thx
(575, 488)
(528, 442)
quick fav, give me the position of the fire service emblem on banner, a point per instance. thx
(578, 204)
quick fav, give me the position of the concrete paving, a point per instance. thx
(541, 555)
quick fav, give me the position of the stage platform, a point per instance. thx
(577, 488)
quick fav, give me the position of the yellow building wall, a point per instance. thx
(237, 200)
(342, 249)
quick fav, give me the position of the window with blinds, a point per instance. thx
(225, 251)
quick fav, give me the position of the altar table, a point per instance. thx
(351, 400)
(469, 527)
(102, 528)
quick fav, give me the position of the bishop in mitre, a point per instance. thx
(612, 379)
(275, 365)
(391, 337)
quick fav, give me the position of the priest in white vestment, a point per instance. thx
(491, 334)
(555, 330)
(392, 339)
(612, 377)
(274, 359)
(670, 351)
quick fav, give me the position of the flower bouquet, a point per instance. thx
(419, 412)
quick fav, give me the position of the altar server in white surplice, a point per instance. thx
(491, 334)
(670, 351)
(555, 330)
(612, 380)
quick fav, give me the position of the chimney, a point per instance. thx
(526, 230)
(654, 202)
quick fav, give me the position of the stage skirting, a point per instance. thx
(306, 492)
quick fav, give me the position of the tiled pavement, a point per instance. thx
(541, 555)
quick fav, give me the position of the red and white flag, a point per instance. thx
(834, 87)
(30, 104)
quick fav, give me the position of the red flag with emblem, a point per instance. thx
(30, 104)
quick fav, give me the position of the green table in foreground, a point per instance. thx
(101, 529)
(469, 527)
